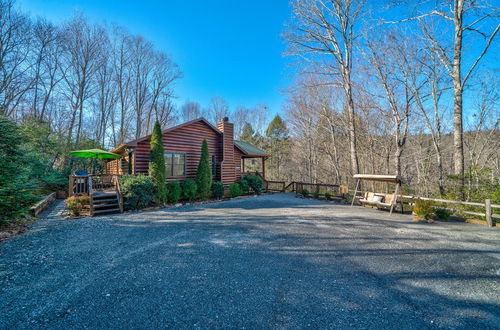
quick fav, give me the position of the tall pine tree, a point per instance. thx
(157, 170)
(204, 173)
(277, 145)
(15, 186)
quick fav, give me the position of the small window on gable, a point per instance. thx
(175, 164)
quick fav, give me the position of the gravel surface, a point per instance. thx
(272, 261)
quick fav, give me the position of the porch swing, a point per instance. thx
(379, 200)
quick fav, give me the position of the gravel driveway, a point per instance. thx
(272, 261)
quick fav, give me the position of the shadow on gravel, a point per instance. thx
(215, 267)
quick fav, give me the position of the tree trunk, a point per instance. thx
(458, 141)
(351, 126)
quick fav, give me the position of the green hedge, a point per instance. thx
(173, 192)
(217, 189)
(255, 182)
(234, 189)
(189, 189)
(138, 191)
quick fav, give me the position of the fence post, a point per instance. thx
(487, 204)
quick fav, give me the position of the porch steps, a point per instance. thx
(105, 203)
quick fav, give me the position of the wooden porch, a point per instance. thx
(103, 190)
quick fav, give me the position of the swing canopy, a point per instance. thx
(379, 178)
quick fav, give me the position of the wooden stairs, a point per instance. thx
(105, 203)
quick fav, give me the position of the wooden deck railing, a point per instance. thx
(87, 184)
(78, 185)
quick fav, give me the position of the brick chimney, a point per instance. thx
(228, 171)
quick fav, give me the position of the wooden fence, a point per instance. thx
(335, 191)
(278, 186)
(486, 206)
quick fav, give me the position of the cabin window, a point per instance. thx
(175, 164)
(214, 166)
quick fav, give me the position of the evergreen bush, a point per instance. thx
(189, 189)
(157, 170)
(138, 191)
(255, 182)
(423, 209)
(304, 192)
(328, 196)
(16, 188)
(204, 173)
(217, 189)
(442, 214)
(174, 192)
(244, 186)
(234, 189)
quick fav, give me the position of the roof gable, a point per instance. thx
(133, 143)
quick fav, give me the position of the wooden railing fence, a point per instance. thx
(487, 206)
(488, 214)
(335, 191)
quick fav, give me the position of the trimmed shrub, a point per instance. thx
(244, 186)
(138, 191)
(423, 209)
(204, 173)
(316, 194)
(328, 196)
(189, 189)
(234, 189)
(157, 170)
(304, 192)
(173, 192)
(255, 183)
(217, 189)
(75, 204)
(442, 214)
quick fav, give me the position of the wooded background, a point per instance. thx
(407, 88)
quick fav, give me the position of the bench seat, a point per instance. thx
(385, 203)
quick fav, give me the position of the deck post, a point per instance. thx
(394, 200)
(355, 192)
(263, 168)
(70, 188)
(487, 212)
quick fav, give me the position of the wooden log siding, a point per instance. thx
(228, 174)
(118, 166)
(186, 140)
(237, 163)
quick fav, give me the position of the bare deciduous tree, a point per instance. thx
(324, 34)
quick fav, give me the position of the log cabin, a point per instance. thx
(182, 145)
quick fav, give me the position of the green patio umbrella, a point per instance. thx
(95, 154)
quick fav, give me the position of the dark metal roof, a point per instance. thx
(250, 149)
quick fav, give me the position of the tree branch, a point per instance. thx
(485, 49)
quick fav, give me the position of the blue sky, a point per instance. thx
(227, 48)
